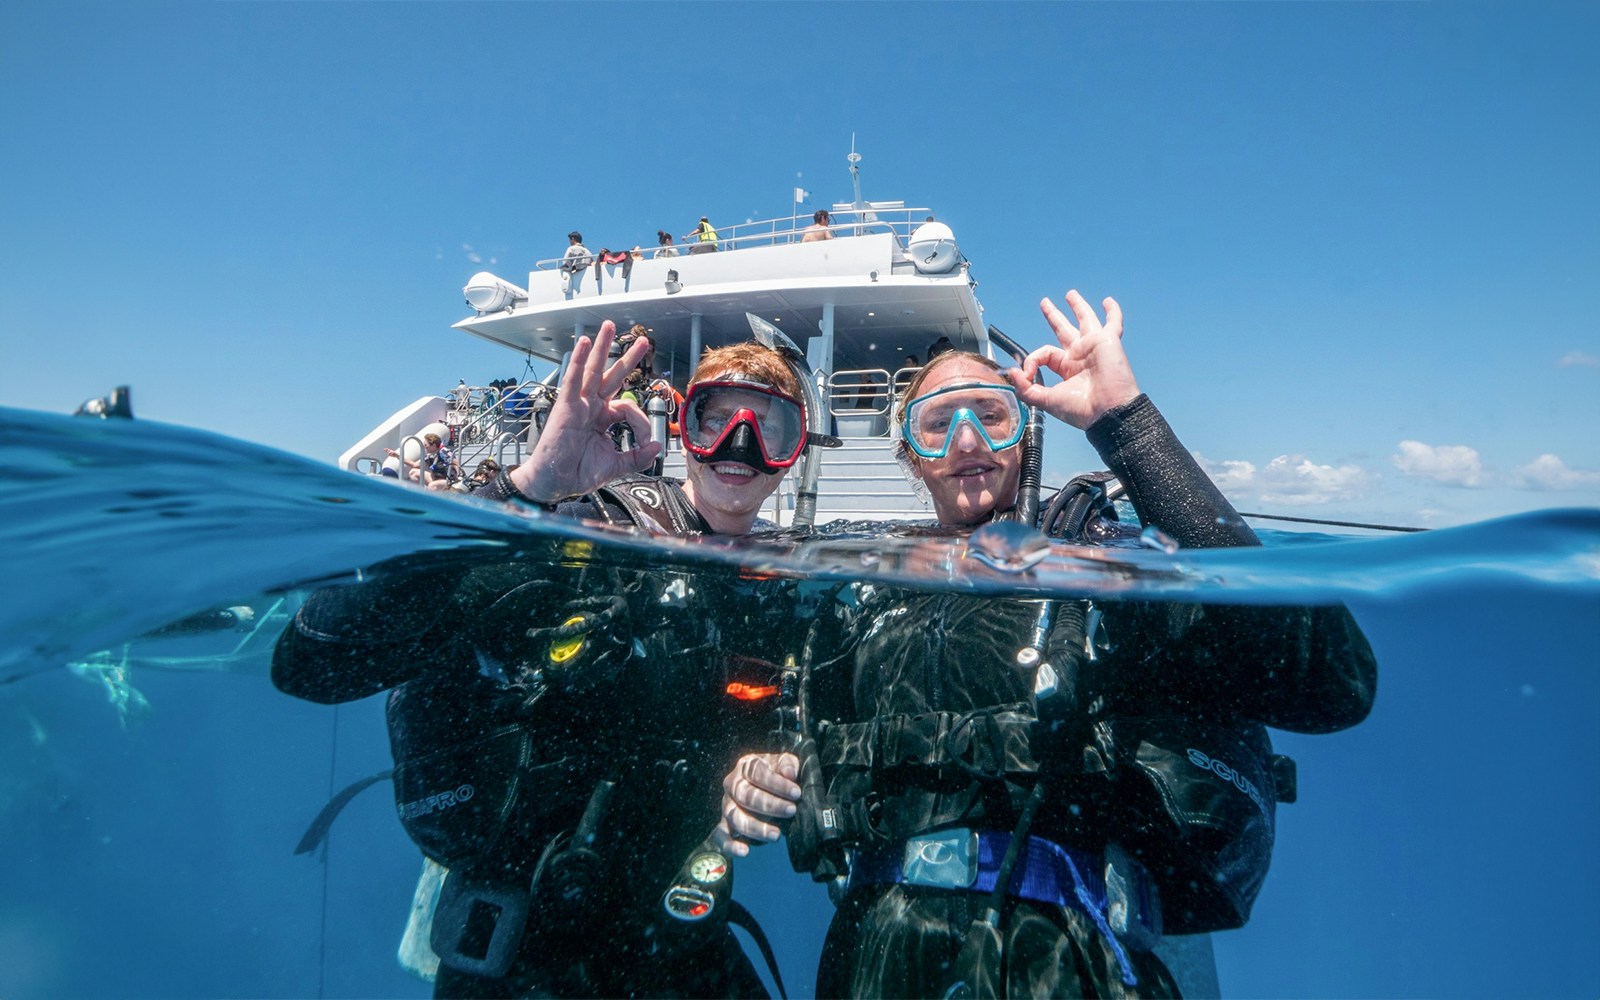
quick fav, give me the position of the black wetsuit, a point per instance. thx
(507, 730)
(934, 727)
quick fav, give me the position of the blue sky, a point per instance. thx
(1358, 244)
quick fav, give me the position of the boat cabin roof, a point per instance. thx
(861, 292)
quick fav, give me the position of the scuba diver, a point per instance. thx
(549, 719)
(1020, 797)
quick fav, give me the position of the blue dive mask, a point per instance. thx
(994, 411)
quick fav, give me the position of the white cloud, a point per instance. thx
(1288, 479)
(472, 255)
(1549, 472)
(1451, 464)
(1295, 479)
(1578, 359)
(1230, 476)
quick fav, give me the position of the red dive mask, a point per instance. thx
(747, 422)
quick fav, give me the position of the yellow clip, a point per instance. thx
(563, 650)
(576, 552)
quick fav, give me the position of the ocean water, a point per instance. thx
(152, 790)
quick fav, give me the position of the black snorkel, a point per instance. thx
(805, 504)
(1032, 441)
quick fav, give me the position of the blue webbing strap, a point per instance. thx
(1096, 909)
(1044, 875)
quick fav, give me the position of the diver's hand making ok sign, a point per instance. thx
(576, 452)
(1096, 376)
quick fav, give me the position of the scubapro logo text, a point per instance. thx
(1204, 761)
(438, 802)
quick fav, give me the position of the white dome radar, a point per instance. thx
(933, 249)
(487, 293)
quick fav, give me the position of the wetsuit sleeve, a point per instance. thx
(1166, 485)
(1303, 669)
(348, 642)
(1307, 670)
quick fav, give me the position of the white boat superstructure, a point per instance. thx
(888, 284)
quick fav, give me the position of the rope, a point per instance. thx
(322, 930)
(1337, 524)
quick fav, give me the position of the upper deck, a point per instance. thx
(888, 285)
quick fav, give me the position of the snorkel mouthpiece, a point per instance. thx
(739, 446)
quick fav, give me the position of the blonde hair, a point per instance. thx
(748, 358)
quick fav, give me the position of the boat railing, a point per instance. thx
(862, 401)
(483, 427)
(898, 221)
(411, 444)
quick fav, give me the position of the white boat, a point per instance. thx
(890, 283)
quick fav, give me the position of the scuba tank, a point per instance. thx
(656, 409)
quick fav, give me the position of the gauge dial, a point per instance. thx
(708, 868)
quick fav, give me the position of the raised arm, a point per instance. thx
(1298, 668)
(576, 452)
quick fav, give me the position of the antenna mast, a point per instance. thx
(855, 170)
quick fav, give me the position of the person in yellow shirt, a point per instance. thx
(704, 235)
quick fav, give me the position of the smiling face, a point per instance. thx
(970, 482)
(729, 494)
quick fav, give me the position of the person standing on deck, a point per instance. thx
(704, 236)
(818, 230)
(574, 262)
